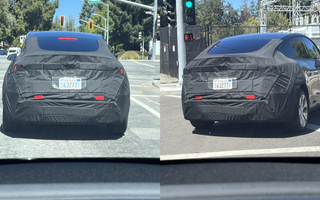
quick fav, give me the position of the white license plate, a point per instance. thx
(222, 84)
(69, 83)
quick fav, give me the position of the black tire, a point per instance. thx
(202, 124)
(10, 126)
(118, 128)
(296, 125)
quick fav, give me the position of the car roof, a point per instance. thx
(270, 36)
(63, 34)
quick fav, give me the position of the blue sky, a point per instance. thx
(69, 8)
(73, 7)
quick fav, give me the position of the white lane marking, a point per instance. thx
(240, 153)
(175, 96)
(170, 89)
(157, 114)
(143, 64)
(144, 95)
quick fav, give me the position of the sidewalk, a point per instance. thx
(169, 84)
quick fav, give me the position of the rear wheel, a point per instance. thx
(10, 126)
(118, 128)
(202, 124)
(299, 120)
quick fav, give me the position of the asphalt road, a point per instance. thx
(59, 141)
(180, 140)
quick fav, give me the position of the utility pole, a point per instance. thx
(154, 29)
(181, 43)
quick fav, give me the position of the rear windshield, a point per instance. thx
(12, 50)
(68, 43)
(238, 45)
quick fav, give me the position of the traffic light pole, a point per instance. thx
(180, 38)
(93, 24)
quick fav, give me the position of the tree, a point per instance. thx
(126, 21)
(34, 15)
(70, 23)
(230, 16)
(4, 22)
(254, 9)
(56, 24)
(209, 12)
(86, 12)
(245, 12)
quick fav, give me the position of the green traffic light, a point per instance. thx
(189, 4)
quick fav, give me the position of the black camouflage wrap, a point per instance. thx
(273, 78)
(38, 72)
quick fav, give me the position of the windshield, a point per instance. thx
(81, 87)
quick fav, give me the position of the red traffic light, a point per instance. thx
(156, 34)
(188, 37)
(90, 25)
(61, 20)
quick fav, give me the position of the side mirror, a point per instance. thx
(11, 56)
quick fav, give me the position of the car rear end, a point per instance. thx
(66, 80)
(248, 85)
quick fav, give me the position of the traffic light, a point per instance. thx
(188, 37)
(140, 35)
(157, 35)
(62, 20)
(171, 12)
(90, 25)
(189, 12)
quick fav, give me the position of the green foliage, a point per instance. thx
(130, 55)
(4, 22)
(22, 16)
(16, 42)
(209, 12)
(125, 23)
(277, 19)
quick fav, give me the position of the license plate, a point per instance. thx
(69, 83)
(222, 84)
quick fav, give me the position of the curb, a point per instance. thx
(155, 84)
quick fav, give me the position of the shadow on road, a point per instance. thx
(63, 132)
(248, 130)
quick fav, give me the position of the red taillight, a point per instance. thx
(268, 67)
(15, 68)
(198, 97)
(38, 96)
(99, 98)
(121, 71)
(250, 97)
(68, 38)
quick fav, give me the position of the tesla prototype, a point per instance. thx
(65, 78)
(264, 77)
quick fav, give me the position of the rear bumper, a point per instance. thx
(281, 110)
(67, 111)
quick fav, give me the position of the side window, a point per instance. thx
(294, 47)
(312, 50)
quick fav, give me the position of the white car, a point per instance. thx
(14, 50)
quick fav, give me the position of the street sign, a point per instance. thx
(94, 1)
